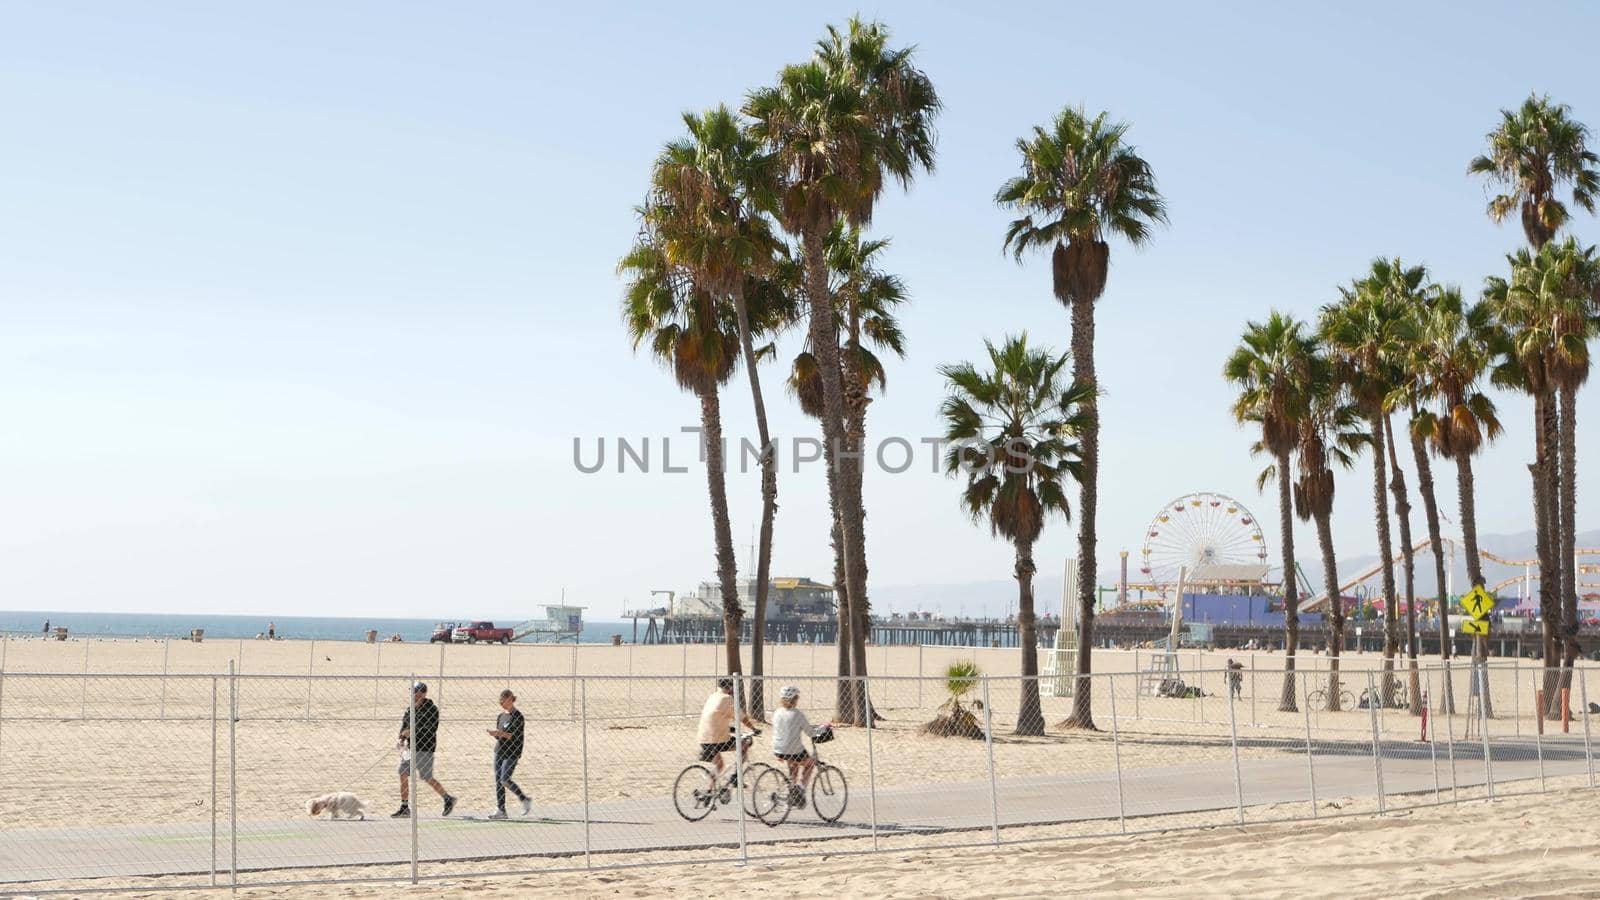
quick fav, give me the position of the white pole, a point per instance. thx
(1583, 697)
(1238, 777)
(630, 679)
(411, 770)
(1538, 738)
(919, 672)
(988, 740)
(311, 668)
(1373, 702)
(440, 692)
(683, 683)
(1433, 746)
(241, 656)
(1482, 673)
(1450, 730)
(1116, 752)
(1252, 689)
(1311, 762)
(166, 645)
(213, 781)
(508, 667)
(584, 694)
(233, 777)
(83, 701)
(572, 689)
(872, 769)
(740, 774)
(377, 679)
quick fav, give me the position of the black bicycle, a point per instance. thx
(776, 795)
(697, 791)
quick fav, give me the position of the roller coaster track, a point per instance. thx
(1425, 545)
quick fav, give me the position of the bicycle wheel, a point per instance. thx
(771, 797)
(692, 794)
(830, 793)
(1347, 700)
(748, 780)
(1317, 699)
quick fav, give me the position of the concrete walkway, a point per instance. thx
(905, 815)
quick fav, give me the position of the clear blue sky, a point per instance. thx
(301, 305)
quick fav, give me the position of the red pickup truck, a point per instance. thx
(474, 632)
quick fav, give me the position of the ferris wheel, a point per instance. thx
(1202, 529)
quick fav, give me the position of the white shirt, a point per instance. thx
(789, 729)
(716, 718)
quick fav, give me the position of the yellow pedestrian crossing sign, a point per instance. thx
(1475, 626)
(1479, 603)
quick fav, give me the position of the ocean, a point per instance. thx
(290, 627)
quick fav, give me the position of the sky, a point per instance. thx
(302, 306)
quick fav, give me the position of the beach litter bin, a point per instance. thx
(61, 632)
(616, 640)
(372, 635)
(197, 634)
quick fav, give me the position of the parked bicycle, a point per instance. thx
(1318, 699)
(696, 792)
(776, 795)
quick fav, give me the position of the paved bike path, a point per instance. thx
(1342, 769)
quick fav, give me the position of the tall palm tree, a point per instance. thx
(1273, 370)
(865, 298)
(1536, 153)
(1012, 432)
(857, 115)
(1366, 332)
(713, 189)
(1081, 184)
(1455, 347)
(1329, 435)
(697, 339)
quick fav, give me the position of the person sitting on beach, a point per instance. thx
(422, 746)
(716, 728)
(790, 727)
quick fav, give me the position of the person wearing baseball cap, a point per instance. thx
(422, 746)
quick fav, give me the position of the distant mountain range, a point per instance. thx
(998, 598)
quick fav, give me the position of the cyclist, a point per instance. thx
(789, 729)
(716, 729)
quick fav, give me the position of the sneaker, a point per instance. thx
(498, 814)
(449, 803)
(527, 806)
(403, 812)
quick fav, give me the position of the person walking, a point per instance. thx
(422, 745)
(272, 631)
(507, 733)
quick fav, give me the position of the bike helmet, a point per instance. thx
(790, 693)
(724, 684)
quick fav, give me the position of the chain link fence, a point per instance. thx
(164, 781)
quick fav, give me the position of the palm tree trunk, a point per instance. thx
(1466, 499)
(1391, 606)
(1430, 508)
(825, 345)
(769, 505)
(1569, 534)
(1089, 467)
(855, 410)
(1402, 512)
(1330, 577)
(844, 695)
(1030, 717)
(727, 574)
(1291, 591)
(1546, 530)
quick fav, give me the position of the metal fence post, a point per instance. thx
(1538, 731)
(572, 689)
(83, 701)
(683, 684)
(739, 772)
(311, 669)
(1516, 692)
(919, 673)
(1238, 777)
(411, 770)
(872, 767)
(1116, 754)
(1449, 707)
(988, 740)
(233, 778)
(377, 679)
(1253, 721)
(583, 690)
(1311, 763)
(1481, 672)
(1375, 700)
(1583, 697)
(213, 781)
(166, 645)
(1433, 744)
(439, 694)
(240, 658)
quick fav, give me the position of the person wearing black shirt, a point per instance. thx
(424, 745)
(507, 734)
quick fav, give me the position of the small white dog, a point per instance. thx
(338, 805)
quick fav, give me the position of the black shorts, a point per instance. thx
(802, 756)
(708, 752)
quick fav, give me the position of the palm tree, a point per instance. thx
(1273, 370)
(1081, 184)
(1366, 332)
(1012, 433)
(697, 339)
(1537, 152)
(1329, 435)
(712, 191)
(864, 298)
(1456, 345)
(858, 114)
